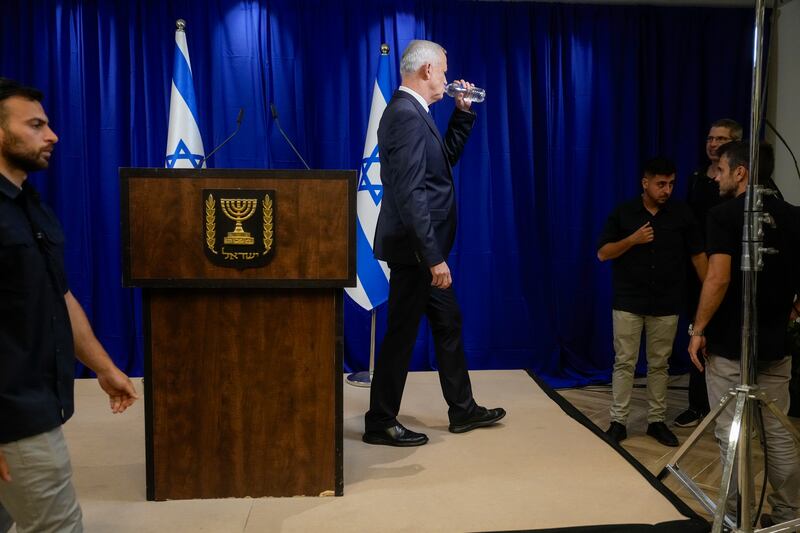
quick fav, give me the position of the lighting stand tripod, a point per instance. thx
(747, 395)
(747, 398)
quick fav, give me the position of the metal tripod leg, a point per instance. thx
(737, 425)
(769, 403)
(784, 420)
(785, 527)
(747, 397)
(674, 468)
(699, 430)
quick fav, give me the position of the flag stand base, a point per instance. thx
(360, 379)
(364, 378)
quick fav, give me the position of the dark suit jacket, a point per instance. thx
(417, 221)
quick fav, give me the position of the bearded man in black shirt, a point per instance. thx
(42, 329)
(717, 330)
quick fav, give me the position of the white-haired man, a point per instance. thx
(415, 232)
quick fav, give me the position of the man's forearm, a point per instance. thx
(87, 348)
(458, 130)
(710, 299)
(714, 288)
(612, 250)
(700, 262)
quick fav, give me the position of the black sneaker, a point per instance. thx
(660, 432)
(689, 418)
(617, 432)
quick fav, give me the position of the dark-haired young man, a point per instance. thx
(42, 329)
(649, 239)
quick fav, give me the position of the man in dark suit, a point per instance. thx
(415, 232)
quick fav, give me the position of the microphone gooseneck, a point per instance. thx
(277, 123)
(239, 118)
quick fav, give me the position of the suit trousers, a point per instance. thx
(698, 393)
(410, 296)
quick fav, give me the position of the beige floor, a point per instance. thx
(538, 469)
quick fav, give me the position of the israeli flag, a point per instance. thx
(184, 144)
(372, 287)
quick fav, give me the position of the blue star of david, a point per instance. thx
(182, 152)
(376, 191)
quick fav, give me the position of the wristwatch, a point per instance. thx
(694, 332)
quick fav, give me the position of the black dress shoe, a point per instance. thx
(395, 436)
(660, 432)
(617, 432)
(481, 418)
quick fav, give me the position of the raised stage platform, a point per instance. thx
(540, 468)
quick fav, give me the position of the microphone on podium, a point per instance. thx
(220, 145)
(277, 123)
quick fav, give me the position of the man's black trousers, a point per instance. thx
(410, 296)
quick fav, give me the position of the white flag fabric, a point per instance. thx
(184, 144)
(372, 287)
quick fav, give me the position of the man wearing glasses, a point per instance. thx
(703, 195)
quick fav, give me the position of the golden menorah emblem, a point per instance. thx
(239, 210)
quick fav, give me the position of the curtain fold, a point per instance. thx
(578, 96)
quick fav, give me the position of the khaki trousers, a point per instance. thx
(659, 334)
(783, 466)
(40, 497)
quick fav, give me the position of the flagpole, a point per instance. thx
(184, 142)
(372, 288)
(364, 378)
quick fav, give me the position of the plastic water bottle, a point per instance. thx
(476, 94)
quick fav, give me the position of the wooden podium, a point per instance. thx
(243, 363)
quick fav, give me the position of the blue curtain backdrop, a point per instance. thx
(578, 97)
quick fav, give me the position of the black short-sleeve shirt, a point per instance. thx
(649, 279)
(776, 284)
(37, 361)
(703, 195)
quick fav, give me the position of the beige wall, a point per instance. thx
(783, 108)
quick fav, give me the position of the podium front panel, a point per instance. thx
(311, 228)
(243, 393)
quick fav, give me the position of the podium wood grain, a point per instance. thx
(244, 403)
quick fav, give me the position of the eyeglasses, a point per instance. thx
(711, 139)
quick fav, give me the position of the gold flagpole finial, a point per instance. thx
(180, 24)
(384, 49)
